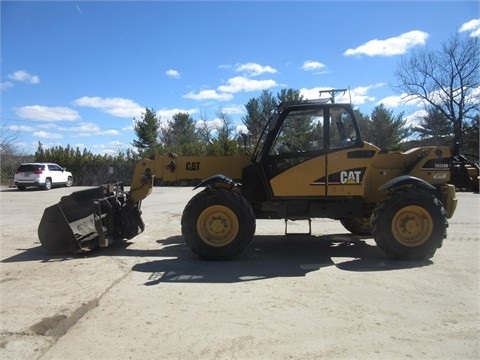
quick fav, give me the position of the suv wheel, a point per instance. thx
(69, 182)
(48, 184)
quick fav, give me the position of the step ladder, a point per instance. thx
(309, 233)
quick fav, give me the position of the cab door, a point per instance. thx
(296, 159)
(348, 157)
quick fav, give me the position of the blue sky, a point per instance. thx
(79, 72)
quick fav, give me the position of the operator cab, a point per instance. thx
(291, 156)
(304, 130)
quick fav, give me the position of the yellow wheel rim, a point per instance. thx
(412, 226)
(217, 226)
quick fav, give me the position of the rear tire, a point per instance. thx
(410, 224)
(48, 184)
(357, 226)
(218, 224)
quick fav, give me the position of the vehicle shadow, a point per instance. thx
(14, 189)
(268, 256)
(271, 257)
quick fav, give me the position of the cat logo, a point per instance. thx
(350, 177)
(192, 166)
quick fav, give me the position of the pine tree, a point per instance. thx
(180, 135)
(147, 131)
(385, 130)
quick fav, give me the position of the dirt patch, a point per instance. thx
(46, 324)
(56, 326)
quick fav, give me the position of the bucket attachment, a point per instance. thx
(90, 218)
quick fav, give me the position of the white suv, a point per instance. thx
(44, 175)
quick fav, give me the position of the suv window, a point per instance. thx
(53, 167)
(30, 167)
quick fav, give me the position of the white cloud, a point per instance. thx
(167, 114)
(44, 113)
(415, 118)
(234, 109)
(6, 85)
(392, 101)
(20, 128)
(24, 76)
(358, 95)
(313, 93)
(86, 127)
(111, 132)
(118, 107)
(208, 95)
(111, 148)
(254, 69)
(47, 135)
(391, 46)
(241, 129)
(395, 101)
(312, 65)
(240, 83)
(90, 129)
(472, 26)
(172, 73)
(237, 84)
(234, 85)
(213, 125)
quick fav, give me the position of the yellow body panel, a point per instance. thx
(199, 167)
(142, 180)
(334, 174)
(353, 174)
(300, 180)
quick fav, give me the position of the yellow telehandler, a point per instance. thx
(310, 162)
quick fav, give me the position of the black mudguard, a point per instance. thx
(217, 179)
(407, 180)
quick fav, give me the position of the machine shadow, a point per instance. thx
(119, 249)
(270, 257)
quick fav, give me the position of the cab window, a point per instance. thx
(342, 132)
(301, 131)
(299, 139)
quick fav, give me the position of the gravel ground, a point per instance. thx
(329, 296)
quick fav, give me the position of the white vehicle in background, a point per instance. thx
(42, 175)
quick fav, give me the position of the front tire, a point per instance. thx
(410, 224)
(218, 224)
(69, 182)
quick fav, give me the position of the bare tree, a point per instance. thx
(10, 155)
(8, 138)
(204, 130)
(447, 80)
